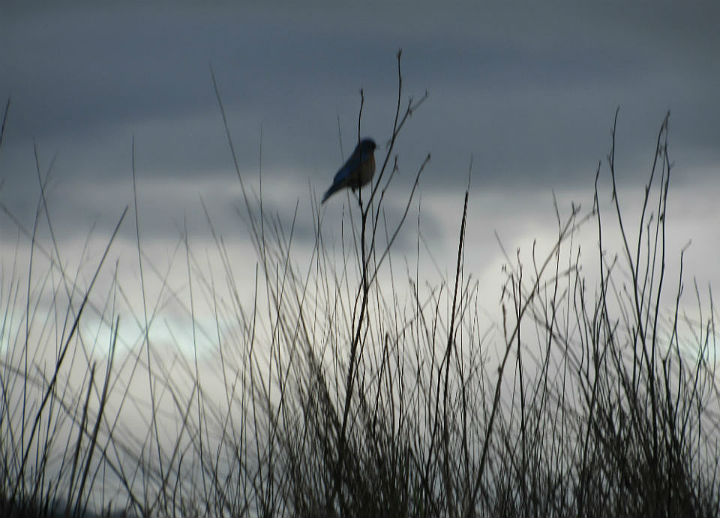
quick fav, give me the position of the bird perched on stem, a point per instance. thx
(357, 171)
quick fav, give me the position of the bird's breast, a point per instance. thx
(368, 169)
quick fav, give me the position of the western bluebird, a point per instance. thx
(357, 171)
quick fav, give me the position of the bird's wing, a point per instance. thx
(352, 164)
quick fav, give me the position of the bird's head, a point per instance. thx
(367, 144)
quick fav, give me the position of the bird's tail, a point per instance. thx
(332, 190)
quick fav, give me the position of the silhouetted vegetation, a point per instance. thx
(336, 393)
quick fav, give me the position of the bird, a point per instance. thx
(357, 171)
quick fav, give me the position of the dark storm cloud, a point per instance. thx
(533, 98)
(528, 92)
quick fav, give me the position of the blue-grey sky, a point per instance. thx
(528, 91)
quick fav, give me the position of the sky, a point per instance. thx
(527, 94)
(520, 104)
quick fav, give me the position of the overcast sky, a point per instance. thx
(529, 92)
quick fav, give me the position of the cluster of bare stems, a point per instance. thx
(338, 394)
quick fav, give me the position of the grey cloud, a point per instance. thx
(530, 95)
